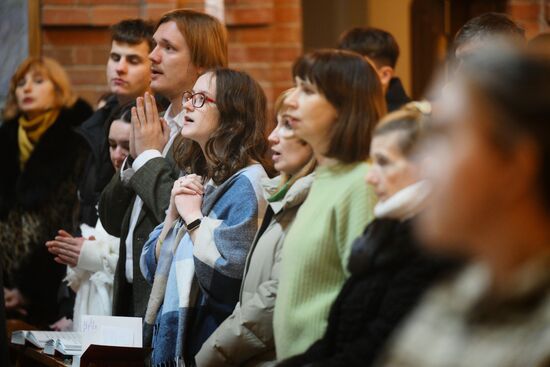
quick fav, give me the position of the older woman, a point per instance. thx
(389, 269)
(41, 157)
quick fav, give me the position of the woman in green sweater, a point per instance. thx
(336, 103)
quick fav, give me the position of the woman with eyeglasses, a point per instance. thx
(389, 269)
(337, 101)
(246, 337)
(195, 259)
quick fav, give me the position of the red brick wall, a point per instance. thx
(531, 14)
(264, 35)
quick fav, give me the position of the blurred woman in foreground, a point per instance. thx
(489, 163)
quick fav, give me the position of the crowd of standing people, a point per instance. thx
(354, 227)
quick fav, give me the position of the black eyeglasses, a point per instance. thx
(197, 99)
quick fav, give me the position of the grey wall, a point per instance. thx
(13, 41)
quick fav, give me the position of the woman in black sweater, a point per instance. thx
(389, 270)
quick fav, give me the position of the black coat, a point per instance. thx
(35, 203)
(4, 354)
(396, 96)
(389, 273)
(98, 168)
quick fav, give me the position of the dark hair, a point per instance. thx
(517, 87)
(378, 45)
(351, 85)
(133, 32)
(488, 25)
(205, 36)
(241, 135)
(122, 112)
(410, 121)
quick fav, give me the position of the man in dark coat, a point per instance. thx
(382, 50)
(129, 76)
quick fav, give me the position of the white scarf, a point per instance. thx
(405, 203)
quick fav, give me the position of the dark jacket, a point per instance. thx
(153, 183)
(35, 203)
(396, 96)
(4, 354)
(98, 170)
(389, 273)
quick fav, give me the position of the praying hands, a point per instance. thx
(149, 131)
(66, 248)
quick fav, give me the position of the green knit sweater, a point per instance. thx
(315, 254)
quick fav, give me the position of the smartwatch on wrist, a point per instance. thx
(193, 225)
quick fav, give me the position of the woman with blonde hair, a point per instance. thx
(41, 157)
(246, 336)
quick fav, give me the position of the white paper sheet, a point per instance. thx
(111, 330)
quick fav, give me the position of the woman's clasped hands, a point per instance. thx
(186, 198)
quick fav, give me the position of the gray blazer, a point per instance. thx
(153, 183)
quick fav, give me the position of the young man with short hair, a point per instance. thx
(381, 48)
(128, 76)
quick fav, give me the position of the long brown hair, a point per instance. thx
(64, 93)
(241, 135)
(351, 85)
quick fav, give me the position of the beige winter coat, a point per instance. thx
(246, 337)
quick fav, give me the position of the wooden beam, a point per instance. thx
(35, 31)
